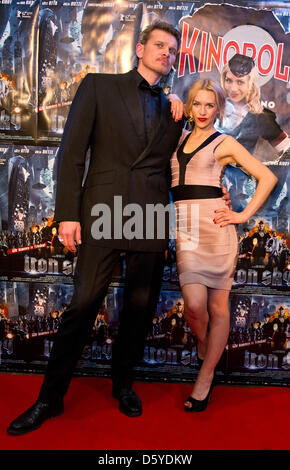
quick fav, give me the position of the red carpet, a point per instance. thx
(237, 418)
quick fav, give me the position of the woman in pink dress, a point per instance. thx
(206, 239)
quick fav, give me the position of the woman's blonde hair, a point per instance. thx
(253, 94)
(208, 85)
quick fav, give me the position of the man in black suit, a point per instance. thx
(126, 122)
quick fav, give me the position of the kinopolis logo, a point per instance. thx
(249, 40)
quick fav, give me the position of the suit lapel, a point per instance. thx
(130, 96)
(159, 132)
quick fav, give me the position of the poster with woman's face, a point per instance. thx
(245, 50)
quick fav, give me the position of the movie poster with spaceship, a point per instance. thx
(30, 314)
(263, 261)
(76, 38)
(29, 245)
(14, 309)
(259, 339)
(18, 74)
(170, 348)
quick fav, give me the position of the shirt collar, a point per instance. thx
(139, 79)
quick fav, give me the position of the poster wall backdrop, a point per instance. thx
(46, 49)
(18, 73)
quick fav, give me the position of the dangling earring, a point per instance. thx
(191, 117)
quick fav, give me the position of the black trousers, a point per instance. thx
(92, 278)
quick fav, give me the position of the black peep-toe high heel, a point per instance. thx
(199, 405)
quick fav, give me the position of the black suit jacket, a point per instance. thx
(105, 117)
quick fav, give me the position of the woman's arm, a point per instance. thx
(232, 151)
(177, 106)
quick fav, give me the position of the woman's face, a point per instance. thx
(204, 109)
(236, 87)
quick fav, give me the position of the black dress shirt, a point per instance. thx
(150, 103)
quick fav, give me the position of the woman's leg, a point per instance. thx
(217, 339)
(196, 315)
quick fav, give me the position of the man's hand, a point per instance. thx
(226, 197)
(69, 233)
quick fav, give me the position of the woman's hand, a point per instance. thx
(226, 216)
(226, 197)
(177, 107)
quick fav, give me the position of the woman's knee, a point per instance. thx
(218, 310)
(195, 301)
(193, 308)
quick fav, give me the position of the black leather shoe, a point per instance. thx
(129, 402)
(33, 418)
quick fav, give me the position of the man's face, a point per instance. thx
(158, 54)
(242, 312)
(281, 313)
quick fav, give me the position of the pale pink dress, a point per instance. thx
(206, 253)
